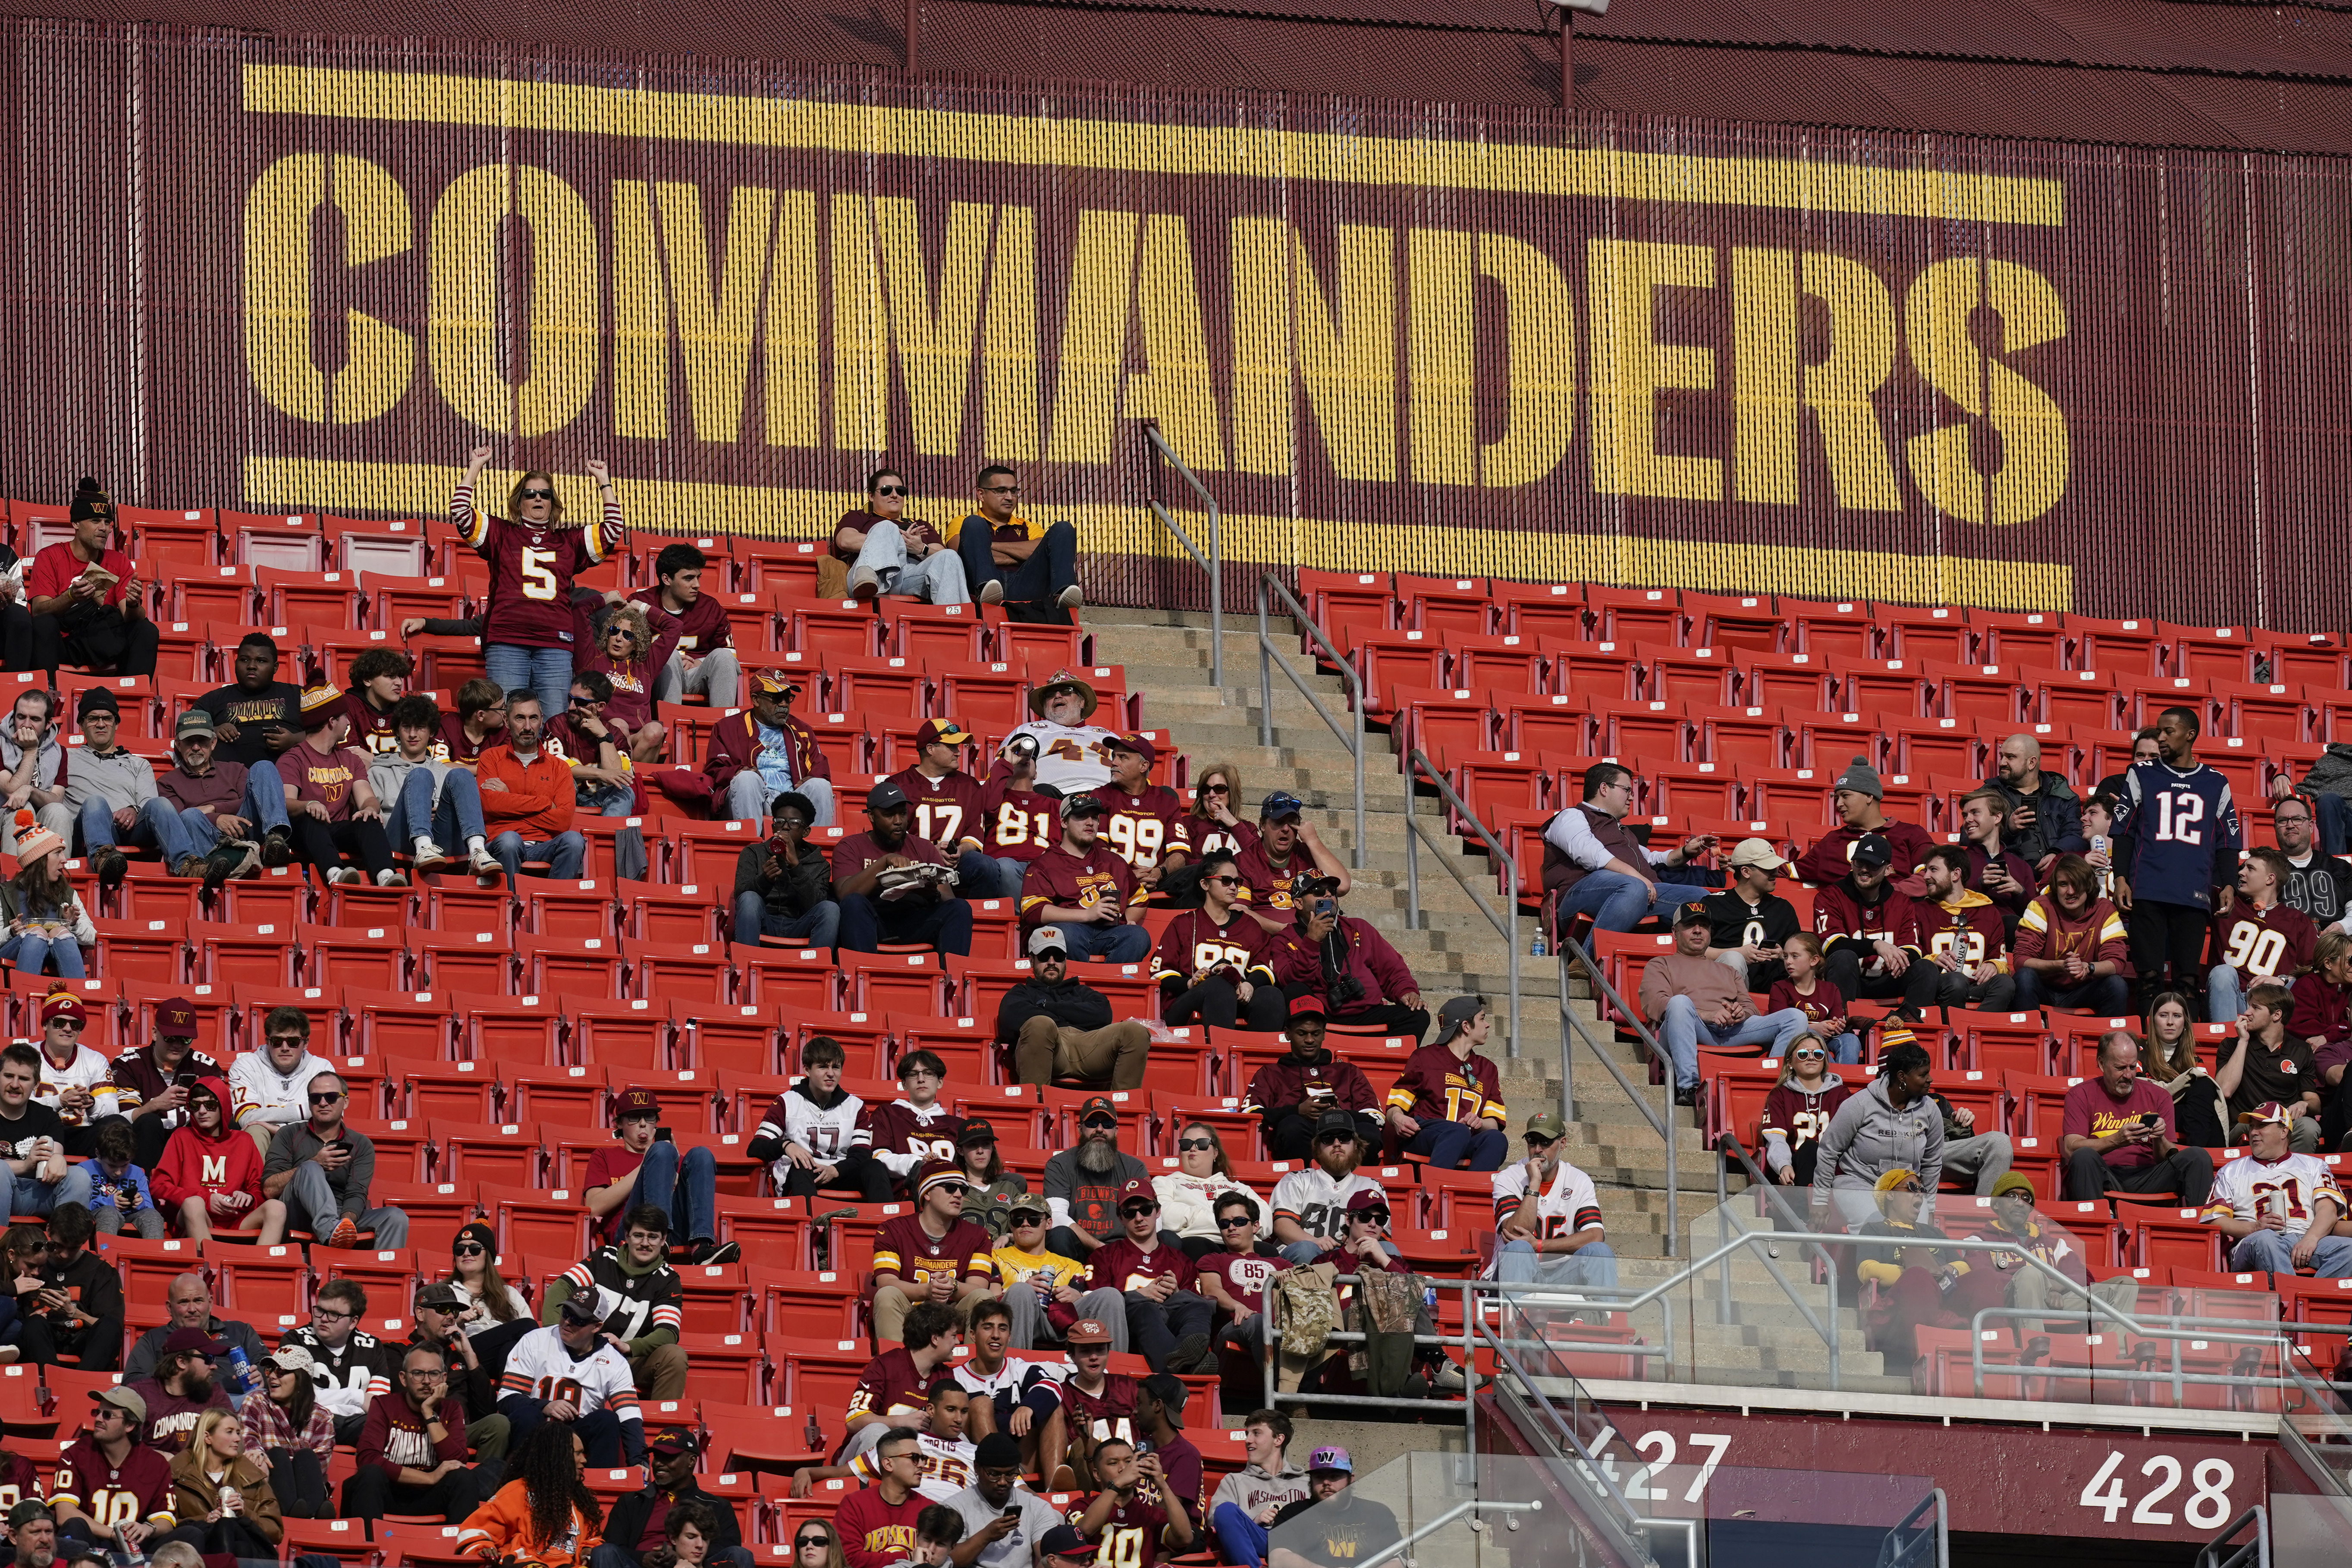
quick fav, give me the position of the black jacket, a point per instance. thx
(625, 1525)
(800, 890)
(1071, 1004)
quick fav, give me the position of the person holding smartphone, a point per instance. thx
(2118, 1133)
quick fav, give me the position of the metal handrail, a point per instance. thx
(1267, 663)
(1506, 925)
(1894, 1555)
(2254, 1554)
(1533, 1505)
(1662, 1125)
(1213, 562)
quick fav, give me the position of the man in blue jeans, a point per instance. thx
(1086, 889)
(1007, 557)
(1688, 997)
(227, 812)
(642, 1167)
(1600, 870)
(1548, 1216)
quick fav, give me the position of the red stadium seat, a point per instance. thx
(1835, 630)
(578, 1095)
(1719, 621)
(402, 1023)
(481, 962)
(506, 1156)
(1623, 615)
(631, 1036)
(571, 966)
(1457, 607)
(463, 1091)
(1540, 609)
(375, 957)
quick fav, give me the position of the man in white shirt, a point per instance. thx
(2279, 1208)
(1072, 754)
(76, 1081)
(1596, 867)
(271, 1086)
(1548, 1216)
(1310, 1204)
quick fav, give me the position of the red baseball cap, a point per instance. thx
(635, 1102)
(1139, 1187)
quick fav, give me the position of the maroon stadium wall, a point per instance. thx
(280, 275)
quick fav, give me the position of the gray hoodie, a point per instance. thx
(1868, 1137)
(1253, 1486)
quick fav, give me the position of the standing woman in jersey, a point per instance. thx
(529, 631)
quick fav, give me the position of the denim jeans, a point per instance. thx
(684, 1185)
(544, 671)
(1591, 1265)
(1682, 1028)
(819, 927)
(158, 825)
(938, 578)
(1617, 902)
(607, 800)
(1459, 1146)
(452, 821)
(32, 954)
(980, 875)
(2225, 994)
(564, 854)
(2269, 1251)
(311, 1205)
(262, 805)
(748, 795)
(1050, 567)
(1113, 944)
(33, 1195)
(2108, 996)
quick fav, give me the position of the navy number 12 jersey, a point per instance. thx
(2172, 829)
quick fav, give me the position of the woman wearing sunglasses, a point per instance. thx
(494, 1314)
(530, 633)
(1189, 1193)
(620, 656)
(1798, 1111)
(889, 552)
(814, 1545)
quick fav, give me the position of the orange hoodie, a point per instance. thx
(194, 1166)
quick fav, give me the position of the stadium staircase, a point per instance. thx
(1166, 655)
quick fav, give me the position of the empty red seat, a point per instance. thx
(696, 972)
(571, 966)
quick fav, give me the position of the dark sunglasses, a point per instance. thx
(326, 1098)
(1213, 789)
(889, 489)
(288, 1040)
(1128, 1211)
(1538, 1141)
(811, 1540)
(587, 702)
(1101, 1121)
(537, 494)
(1336, 1138)
(1220, 882)
(1375, 1216)
(1189, 1143)
(72, 1023)
(470, 1249)
(1234, 1222)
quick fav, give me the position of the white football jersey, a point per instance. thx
(264, 1095)
(828, 1134)
(948, 1464)
(1318, 1202)
(2244, 1187)
(539, 1368)
(87, 1070)
(1565, 1207)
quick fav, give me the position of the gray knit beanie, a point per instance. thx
(1861, 776)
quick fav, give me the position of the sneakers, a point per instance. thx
(992, 592)
(485, 864)
(1449, 1380)
(427, 856)
(1686, 1096)
(190, 866)
(346, 874)
(711, 1253)
(345, 1236)
(1070, 598)
(111, 866)
(865, 583)
(1193, 1353)
(277, 848)
(392, 877)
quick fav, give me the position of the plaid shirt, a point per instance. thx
(265, 1426)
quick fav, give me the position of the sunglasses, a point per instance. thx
(958, 1188)
(813, 1540)
(889, 489)
(1189, 1145)
(1538, 1141)
(326, 1098)
(1220, 882)
(1129, 1210)
(1099, 1123)
(1374, 1216)
(1809, 1056)
(469, 1250)
(1234, 1222)
(1336, 1138)
(277, 1040)
(72, 1025)
(536, 493)
(1214, 789)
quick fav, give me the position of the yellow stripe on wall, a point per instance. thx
(421, 490)
(1237, 152)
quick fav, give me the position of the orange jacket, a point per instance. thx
(536, 801)
(502, 1527)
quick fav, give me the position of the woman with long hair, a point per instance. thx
(494, 1312)
(530, 629)
(45, 921)
(982, 1168)
(1189, 1193)
(545, 1512)
(887, 552)
(2168, 1055)
(620, 655)
(816, 1544)
(216, 1484)
(293, 1433)
(2320, 1012)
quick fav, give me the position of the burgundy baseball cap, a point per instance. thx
(635, 1102)
(176, 1016)
(1139, 1187)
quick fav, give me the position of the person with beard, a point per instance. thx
(1361, 978)
(1310, 1204)
(636, 1527)
(1864, 926)
(183, 1388)
(1294, 1092)
(1057, 1027)
(2317, 883)
(947, 802)
(814, 1136)
(1082, 1184)
(926, 911)
(1004, 1521)
(411, 1447)
(153, 1082)
(32, 1533)
(1212, 963)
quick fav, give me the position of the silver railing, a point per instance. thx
(1213, 562)
(2219, 1552)
(1267, 665)
(1573, 961)
(1507, 923)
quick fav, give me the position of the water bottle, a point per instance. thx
(1539, 950)
(240, 1371)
